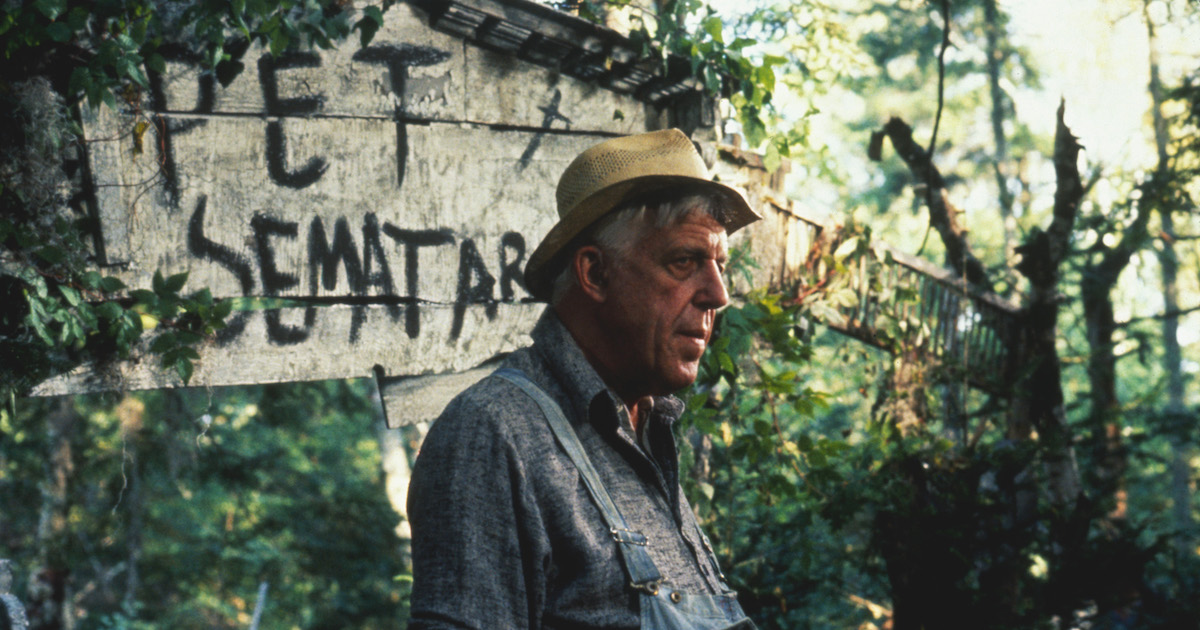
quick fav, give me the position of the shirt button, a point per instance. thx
(676, 597)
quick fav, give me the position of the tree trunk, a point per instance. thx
(1176, 411)
(131, 412)
(1038, 395)
(1000, 165)
(49, 601)
(1104, 418)
(397, 471)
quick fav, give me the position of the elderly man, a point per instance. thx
(547, 495)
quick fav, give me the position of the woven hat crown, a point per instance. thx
(616, 171)
(668, 152)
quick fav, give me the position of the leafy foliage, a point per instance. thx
(184, 502)
(59, 310)
(827, 515)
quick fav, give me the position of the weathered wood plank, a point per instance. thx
(347, 208)
(298, 344)
(512, 90)
(421, 399)
(408, 68)
(409, 72)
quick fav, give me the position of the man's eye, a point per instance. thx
(683, 265)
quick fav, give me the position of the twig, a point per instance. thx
(1159, 316)
(937, 120)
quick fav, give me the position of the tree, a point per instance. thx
(172, 508)
(941, 480)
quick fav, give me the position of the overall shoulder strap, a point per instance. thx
(643, 574)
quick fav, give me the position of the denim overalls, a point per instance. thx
(662, 608)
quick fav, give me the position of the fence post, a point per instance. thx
(12, 617)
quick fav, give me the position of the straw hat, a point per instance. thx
(616, 171)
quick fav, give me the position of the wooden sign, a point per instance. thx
(395, 191)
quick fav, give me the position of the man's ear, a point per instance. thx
(591, 273)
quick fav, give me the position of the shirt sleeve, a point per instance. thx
(479, 547)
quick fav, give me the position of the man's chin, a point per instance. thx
(682, 378)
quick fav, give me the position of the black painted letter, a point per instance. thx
(475, 286)
(201, 247)
(510, 272)
(274, 280)
(413, 240)
(277, 168)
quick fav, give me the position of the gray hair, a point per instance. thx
(618, 232)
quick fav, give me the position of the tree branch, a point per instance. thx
(937, 120)
(1070, 188)
(1160, 316)
(942, 215)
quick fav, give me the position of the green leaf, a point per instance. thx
(59, 32)
(51, 8)
(846, 248)
(155, 63)
(183, 366)
(107, 97)
(142, 296)
(366, 29)
(726, 363)
(78, 17)
(713, 27)
(186, 338)
(90, 280)
(35, 319)
(222, 309)
(52, 254)
(203, 297)
(80, 81)
(110, 284)
(773, 60)
(176, 282)
(164, 343)
(70, 293)
(741, 42)
(109, 310)
(87, 315)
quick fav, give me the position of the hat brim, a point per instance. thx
(539, 272)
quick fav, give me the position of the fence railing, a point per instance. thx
(905, 304)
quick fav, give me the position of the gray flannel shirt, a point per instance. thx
(504, 532)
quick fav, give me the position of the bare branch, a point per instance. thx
(937, 120)
(1160, 316)
(1070, 187)
(942, 215)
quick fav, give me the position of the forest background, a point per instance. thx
(844, 485)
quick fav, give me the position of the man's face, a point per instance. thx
(662, 300)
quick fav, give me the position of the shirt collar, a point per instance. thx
(579, 380)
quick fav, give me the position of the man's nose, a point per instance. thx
(712, 293)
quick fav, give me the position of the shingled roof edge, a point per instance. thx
(598, 53)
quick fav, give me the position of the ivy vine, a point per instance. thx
(59, 310)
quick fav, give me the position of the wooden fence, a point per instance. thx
(906, 304)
